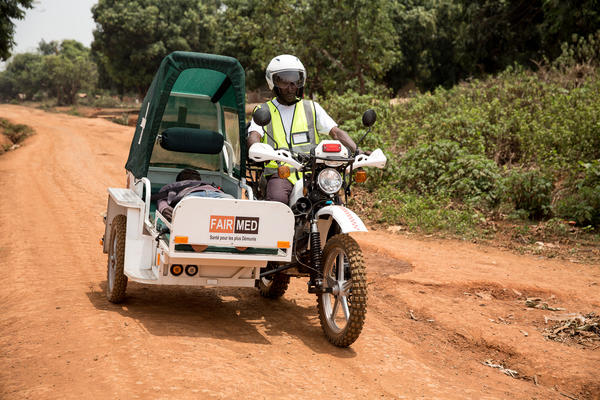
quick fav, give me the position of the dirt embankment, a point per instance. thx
(446, 319)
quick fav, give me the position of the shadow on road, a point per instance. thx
(237, 314)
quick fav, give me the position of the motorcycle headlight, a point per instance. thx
(330, 181)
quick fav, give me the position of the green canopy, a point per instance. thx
(220, 78)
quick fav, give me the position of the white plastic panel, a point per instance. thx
(346, 218)
(375, 159)
(138, 247)
(231, 223)
(125, 197)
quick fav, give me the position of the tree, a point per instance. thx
(131, 38)
(342, 43)
(354, 44)
(10, 9)
(239, 32)
(444, 41)
(59, 69)
(563, 19)
(68, 71)
(23, 75)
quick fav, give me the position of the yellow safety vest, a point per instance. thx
(303, 135)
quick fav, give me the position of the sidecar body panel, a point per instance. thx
(234, 223)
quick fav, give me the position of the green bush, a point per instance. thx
(450, 145)
(15, 132)
(473, 179)
(582, 200)
(347, 111)
(424, 213)
(105, 101)
(529, 191)
(422, 166)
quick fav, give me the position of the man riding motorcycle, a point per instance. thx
(295, 123)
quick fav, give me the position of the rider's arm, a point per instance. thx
(253, 137)
(338, 134)
(326, 124)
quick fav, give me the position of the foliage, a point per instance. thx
(454, 143)
(529, 191)
(443, 167)
(474, 179)
(23, 75)
(361, 49)
(355, 54)
(345, 44)
(581, 50)
(133, 37)
(60, 70)
(514, 118)
(421, 213)
(445, 41)
(423, 166)
(68, 71)
(566, 21)
(15, 132)
(105, 101)
(582, 201)
(10, 10)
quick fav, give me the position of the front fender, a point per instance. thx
(345, 218)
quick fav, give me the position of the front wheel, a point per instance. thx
(343, 308)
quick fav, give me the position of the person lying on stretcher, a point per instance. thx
(187, 183)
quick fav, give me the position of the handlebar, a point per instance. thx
(262, 152)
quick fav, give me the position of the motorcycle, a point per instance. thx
(322, 249)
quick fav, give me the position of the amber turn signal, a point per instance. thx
(283, 172)
(360, 176)
(176, 269)
(181, 239)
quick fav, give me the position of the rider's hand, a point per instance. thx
(361, 151)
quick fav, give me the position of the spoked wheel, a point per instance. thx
(273, 286)
(342, 312)
(116, 281)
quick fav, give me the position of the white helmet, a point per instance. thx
(286, 67)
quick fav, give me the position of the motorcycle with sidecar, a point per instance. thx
(193, 116)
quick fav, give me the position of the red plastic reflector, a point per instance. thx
(332, 147)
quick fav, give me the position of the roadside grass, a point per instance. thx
(440, 217)
(13, 134)
(414, 213)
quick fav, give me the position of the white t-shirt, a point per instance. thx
(324, 122)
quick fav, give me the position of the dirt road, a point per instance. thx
(438, 310)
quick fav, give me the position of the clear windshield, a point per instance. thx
(195, 111)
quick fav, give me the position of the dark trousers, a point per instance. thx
(278, 189)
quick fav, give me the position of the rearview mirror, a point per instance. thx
(369, 118)
(262, 116)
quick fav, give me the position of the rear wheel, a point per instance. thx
(273, 286)
(116, 281)
(342, 312)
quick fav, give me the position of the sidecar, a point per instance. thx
(193, 116)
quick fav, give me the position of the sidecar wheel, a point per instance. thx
(274, 286)
(116, 280)
(342, 312)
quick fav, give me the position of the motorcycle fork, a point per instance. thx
(315, 284)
